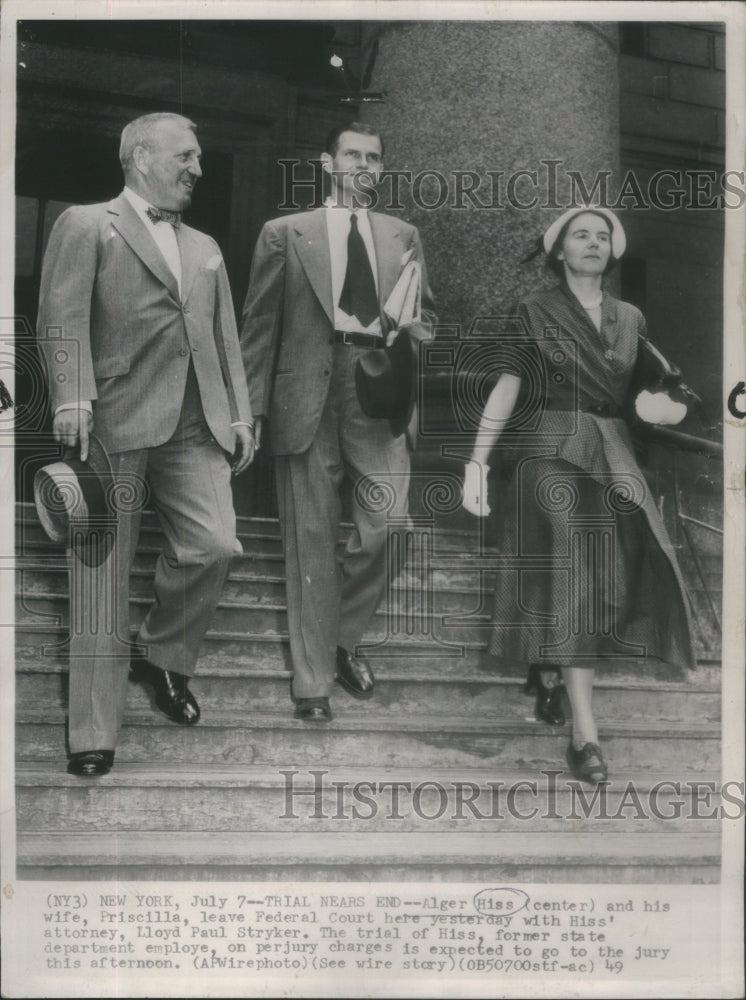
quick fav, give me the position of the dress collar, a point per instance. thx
(609, 332)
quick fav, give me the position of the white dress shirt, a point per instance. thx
(338, 230)
(163, 233)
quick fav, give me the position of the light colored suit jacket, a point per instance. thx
(114, 329)
(288, 321)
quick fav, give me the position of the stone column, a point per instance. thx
(499, 97)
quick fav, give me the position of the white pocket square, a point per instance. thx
(214, 262)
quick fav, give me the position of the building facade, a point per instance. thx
(493, 126)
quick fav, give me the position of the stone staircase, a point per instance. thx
(444, 775)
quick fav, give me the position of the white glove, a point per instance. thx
(659, 408)
(475, 489)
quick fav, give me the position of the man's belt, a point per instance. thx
(353, 338)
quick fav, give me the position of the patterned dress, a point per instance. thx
(586, 574)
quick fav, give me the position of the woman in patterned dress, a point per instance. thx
(587, 576)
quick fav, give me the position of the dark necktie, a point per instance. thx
(358, 296)
(163, 215)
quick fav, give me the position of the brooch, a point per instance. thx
(609, 355)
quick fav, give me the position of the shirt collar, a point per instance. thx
(136, 200)
(333, 203)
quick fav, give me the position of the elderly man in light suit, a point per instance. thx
(319, 281)
(158, 377)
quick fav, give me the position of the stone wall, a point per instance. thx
(493, 97)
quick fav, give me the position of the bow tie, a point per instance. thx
(157, 215)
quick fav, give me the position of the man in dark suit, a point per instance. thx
(319, 281)
(158, 377)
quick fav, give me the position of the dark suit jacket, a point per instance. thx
(127, 335)
(288, 319)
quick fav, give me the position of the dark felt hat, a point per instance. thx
(386, 381)
(74, 502)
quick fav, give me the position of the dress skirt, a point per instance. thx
(582, 579)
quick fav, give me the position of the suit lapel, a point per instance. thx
(389, 250)
(190, 259)
(312, 247)
(127, 222)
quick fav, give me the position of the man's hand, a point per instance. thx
(71, 426)
(244, 448)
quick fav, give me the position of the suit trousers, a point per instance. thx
(332, 598)
(187, 481)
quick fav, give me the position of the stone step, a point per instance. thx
(703, 613)
(222, 683)
(242, 583)
(712, 572)
(260, 539)
(247, 563)
(254, 603)
(255, 534)
(456, 588)
(26, 515)
(151, 536)
(230, 797)
(264, 618)
(352, 738)
(159, 815)
(41, 642)
(400, 616)
(463, 565)
(38, 642)
(707, 631)
(263, 538)
(308, 856)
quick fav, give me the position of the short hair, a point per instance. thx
(332, 140)
(140, 133)
(552, 260)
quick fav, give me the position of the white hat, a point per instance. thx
(618, 239)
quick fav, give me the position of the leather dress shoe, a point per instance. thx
(91, 763)
(354, 674)
(313, 710)
(172, 694)
(548, 706)
(587, 764)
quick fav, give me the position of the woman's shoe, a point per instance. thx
(587, 764)
(548, 699)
